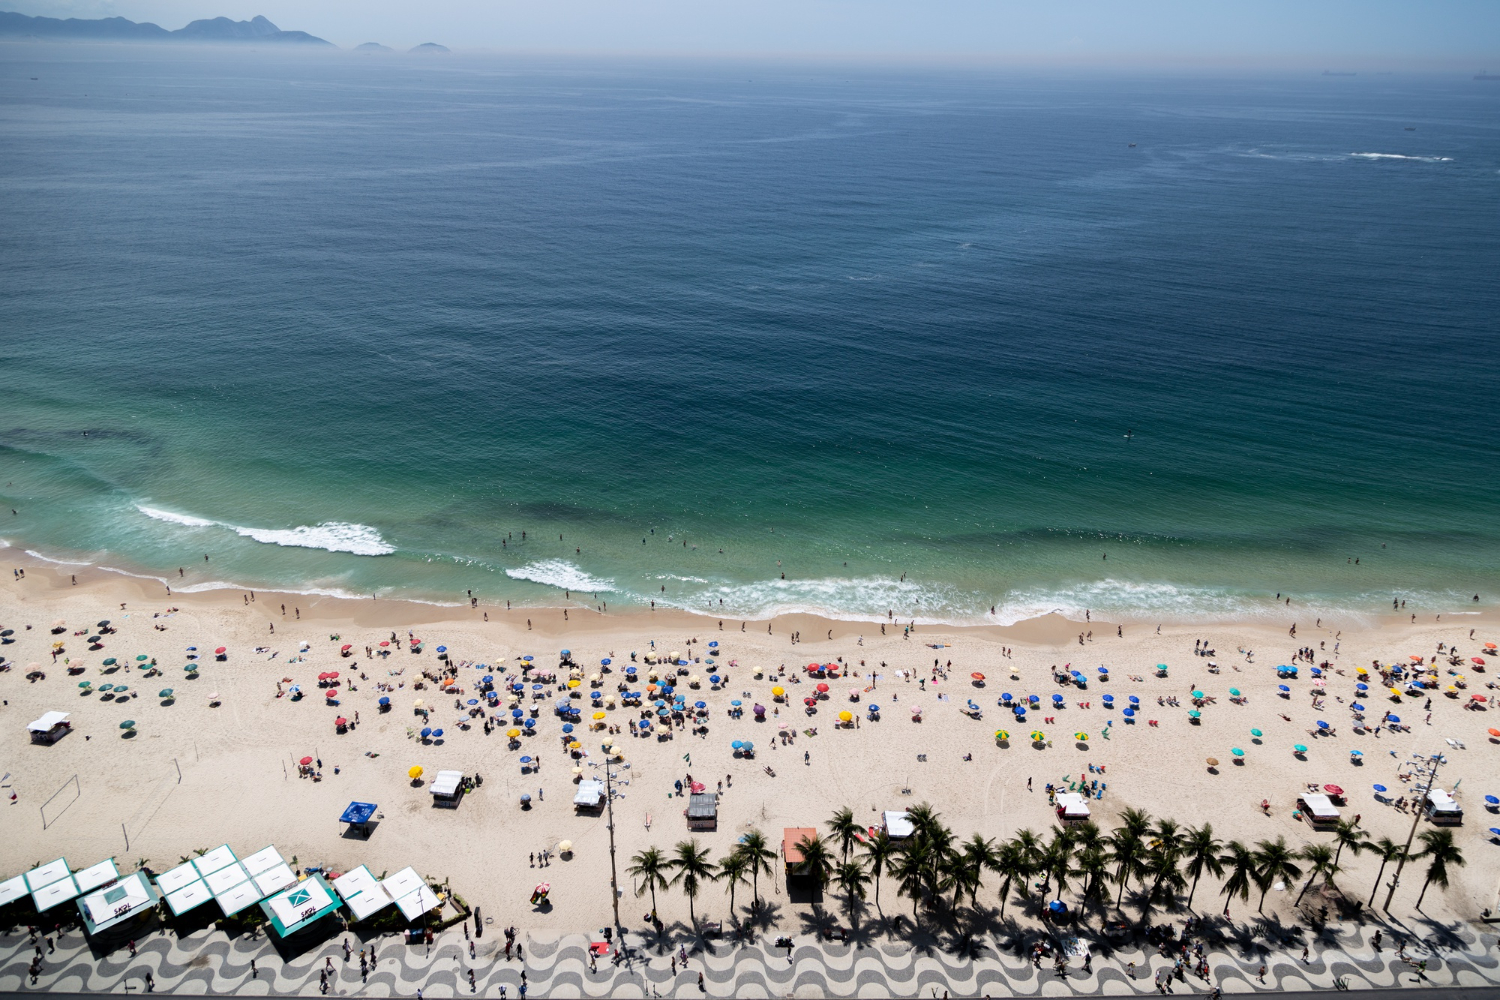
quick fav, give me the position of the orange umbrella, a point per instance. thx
(1494, 732)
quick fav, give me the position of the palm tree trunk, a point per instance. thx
(653, 897)
(692, 917)
(1423, 893)
(1261, 903)
(1306, 887)
(1193, 890)
(1378, 876)
(877, 889)
(1004, 897)
(1122, 889)
(755, 886)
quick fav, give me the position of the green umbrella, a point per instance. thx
(109, 662)
(1237, 752)
(1197, 694)
(191, 668)
(85, 684)
(1255, 732)
(120, 687)
(1161, 666)
(164, 693)
(106, 687)
(1299, 748)
(142, 657)
(128, 724)
(1235, 692)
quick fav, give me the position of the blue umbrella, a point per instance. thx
(737, 744)
(658, 703)
(437, 734)
(1134, 700)
(1492, 800)
(1104, 670)
(748, 746)
(567, 653)
(1356, 753)
(1322, 724)
(713, 679)
(1057, 698)
(536, 687)
(567, 727)
(1282, 687)
(1380, 788)
(667, 689)
(700, 704)
(630, 670)
(874, 709)
(526, 798)
(663, 711)
(442, 649)
(1357, 707)
(606, 661)
(530, 723)
(525, 760)
(516, 713)
(1033, 699)
(713, 645)
(473, 701)
(1020, 712)
(1006, 698)
(1361, 687)
(736, 703)
(1393, 718)
(1109, 698)
(1317, 672)
(385, 701)
(1057, 906)
(488, 678)
(426, 732)
(1130, 713)
(1495, 831)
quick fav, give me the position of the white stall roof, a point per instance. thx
(12, 889)
(195, 893)
(289, 907)
(92, 878)
(236, 899)
(1442, 802)
(262, 861)
(898, 824)
(1321, 806)
(53, 893)
(403, 883)
(214, 860)
(355, 882)
(418, 903)
(170, 881)
(1072, 805)
(590, 792)
(226, 878)
(275, 880)
(46, 722)
(107, 904)
(44, 874)
(371, 900)
(446, 782)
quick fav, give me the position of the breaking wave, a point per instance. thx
(331, 536)
(560, 574)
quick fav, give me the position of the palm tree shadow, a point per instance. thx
(764, 918)
(1440, 935)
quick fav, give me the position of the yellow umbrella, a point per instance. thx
(608, 740)
(415, 772)
(1037, 735)
(1001, 734)
(574, 745)
(846, 716)
(777, 692)
(512, 733)
(598, 715)
(1395, 693)
(573, 684)
(674, 655)
(577, 770)
(1081, 737)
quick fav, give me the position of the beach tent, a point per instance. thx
(1071, 806)
(183, 888)
(96, 877)
(412, 896)
(215, 859)
(51, 884)
(305, 903)
(116, 903)
(1442, 808)
(12, 890)
(590, 794)
(362, 893)
(1318, 809)
(359, 814)
(49, 728)
(703, 811)
(792, 836)
(897, 825)
(447, 788)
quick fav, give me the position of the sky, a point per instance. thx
(1457, 35)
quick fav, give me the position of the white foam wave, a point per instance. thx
(1400, 156)
(51, 559)
(561, 574)
(871, 599)
(331, 536)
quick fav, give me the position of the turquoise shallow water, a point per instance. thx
(925, 343)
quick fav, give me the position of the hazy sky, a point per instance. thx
(1454, 34)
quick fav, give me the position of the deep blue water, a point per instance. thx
(348, 322)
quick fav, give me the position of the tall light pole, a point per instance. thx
(1428, 775)
(609, 805)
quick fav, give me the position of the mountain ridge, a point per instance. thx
(212, 29)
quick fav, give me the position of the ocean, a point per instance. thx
(750, 338)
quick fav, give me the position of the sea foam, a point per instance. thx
(331, 536)
(561, 574)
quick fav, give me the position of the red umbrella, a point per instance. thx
(322, 677)
(332, 695)
(1477, 697)
(1477, 659)
(220, 651)
(822, 688)
(305, 761)
(345, 649)
(385, 643)
(809, 702)
(333, 675)
(1495, 732)
(341, 721)
(977, 677)
(1333, 790)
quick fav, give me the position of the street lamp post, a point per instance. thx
(1428, 775)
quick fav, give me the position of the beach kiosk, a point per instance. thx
(50, 728)
(790, 838)
(1318, 810)
(358, 816)
(897, 825)
(703, 811)
(301, 906)
(51, 884)
(590, 795)
(126, 900)
(448, 789)
(1443, 809)
(1072, 807)
(362, 893)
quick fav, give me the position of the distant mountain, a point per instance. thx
(430, 47)
(373, 47)
(216, 29)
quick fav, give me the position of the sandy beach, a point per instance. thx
(195, 776)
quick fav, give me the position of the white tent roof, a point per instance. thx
(417, 903)
(403, 883)
(278, 878)
(12, 889)
(226, 878)
(46, 722)
(44, 874)
(446, 782)
(53, 893)
(183, 875)
(1321, 806)
(1442, 801)
(289, 912)
(371, 900)
(898, 824)
(106, 904)
(92, 878)
(1072, 804)
(214, 860)
(590, 792)
(195, 893)
(262, 861)
(354, 882)
(236, 899)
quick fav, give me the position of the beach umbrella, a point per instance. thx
(574, 745)
(1317, 671)
(1213, 762)
(1322, 724)
(1333, 790)
(1299, 748)
(1361, 687)
(120, 687)
(191, 668)
(1234, 692)
(598, 716)
(700, 704)
(440, 649)
(512, 733)
(1161, 666)
(1256, 733)
(1492, 800)
(777, 692)
(331, 695)
(141, 658)
(1130, 713)
(1379, 788)
(1033, 699)
(526, 797)
(1393, 718)
(977, 676)
(565, 654)
(1020, 714)
(1357, 707)
(516, 713)
(110, 662)
(1001, 734)
(164, 693)
(1057, 699)
(1282, 687)
(128, 724)
(1134, 700)
(736, 703)
(845, 716)
(1006, 698)
(526, 760)
(567, 727)
(1081, 737)
(417, 703)
(737, 744)
(1194, 714)
(713, 679)
(85, 684)
(874, 709)
(822, 688)
(1104, 670)
(1395, 693)
(1237, 752)
(473, 701)
(213, 696)
(1356, 753)
(385, 700)
(414, 772)
(426, 732)
(1197, 694)
(1494, 732)
(220, 651)
(1037, 736)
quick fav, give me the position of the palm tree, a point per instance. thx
(1093, 868)
(1274, 860)
(817, 859)
(693, 869)
(1161, 866)
(879, 850)
(1389, 851)
(1322, 860)
(845, 830)
(1241, 864)
(1438, 845)
(733, 869)
(758, 858)
(1201, 849)
(1127, 851)
(651, 867)
(1348, 834)
(910, 870)
(852, 879)
(1013, 864)
(1057, 860)
(977, 855)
